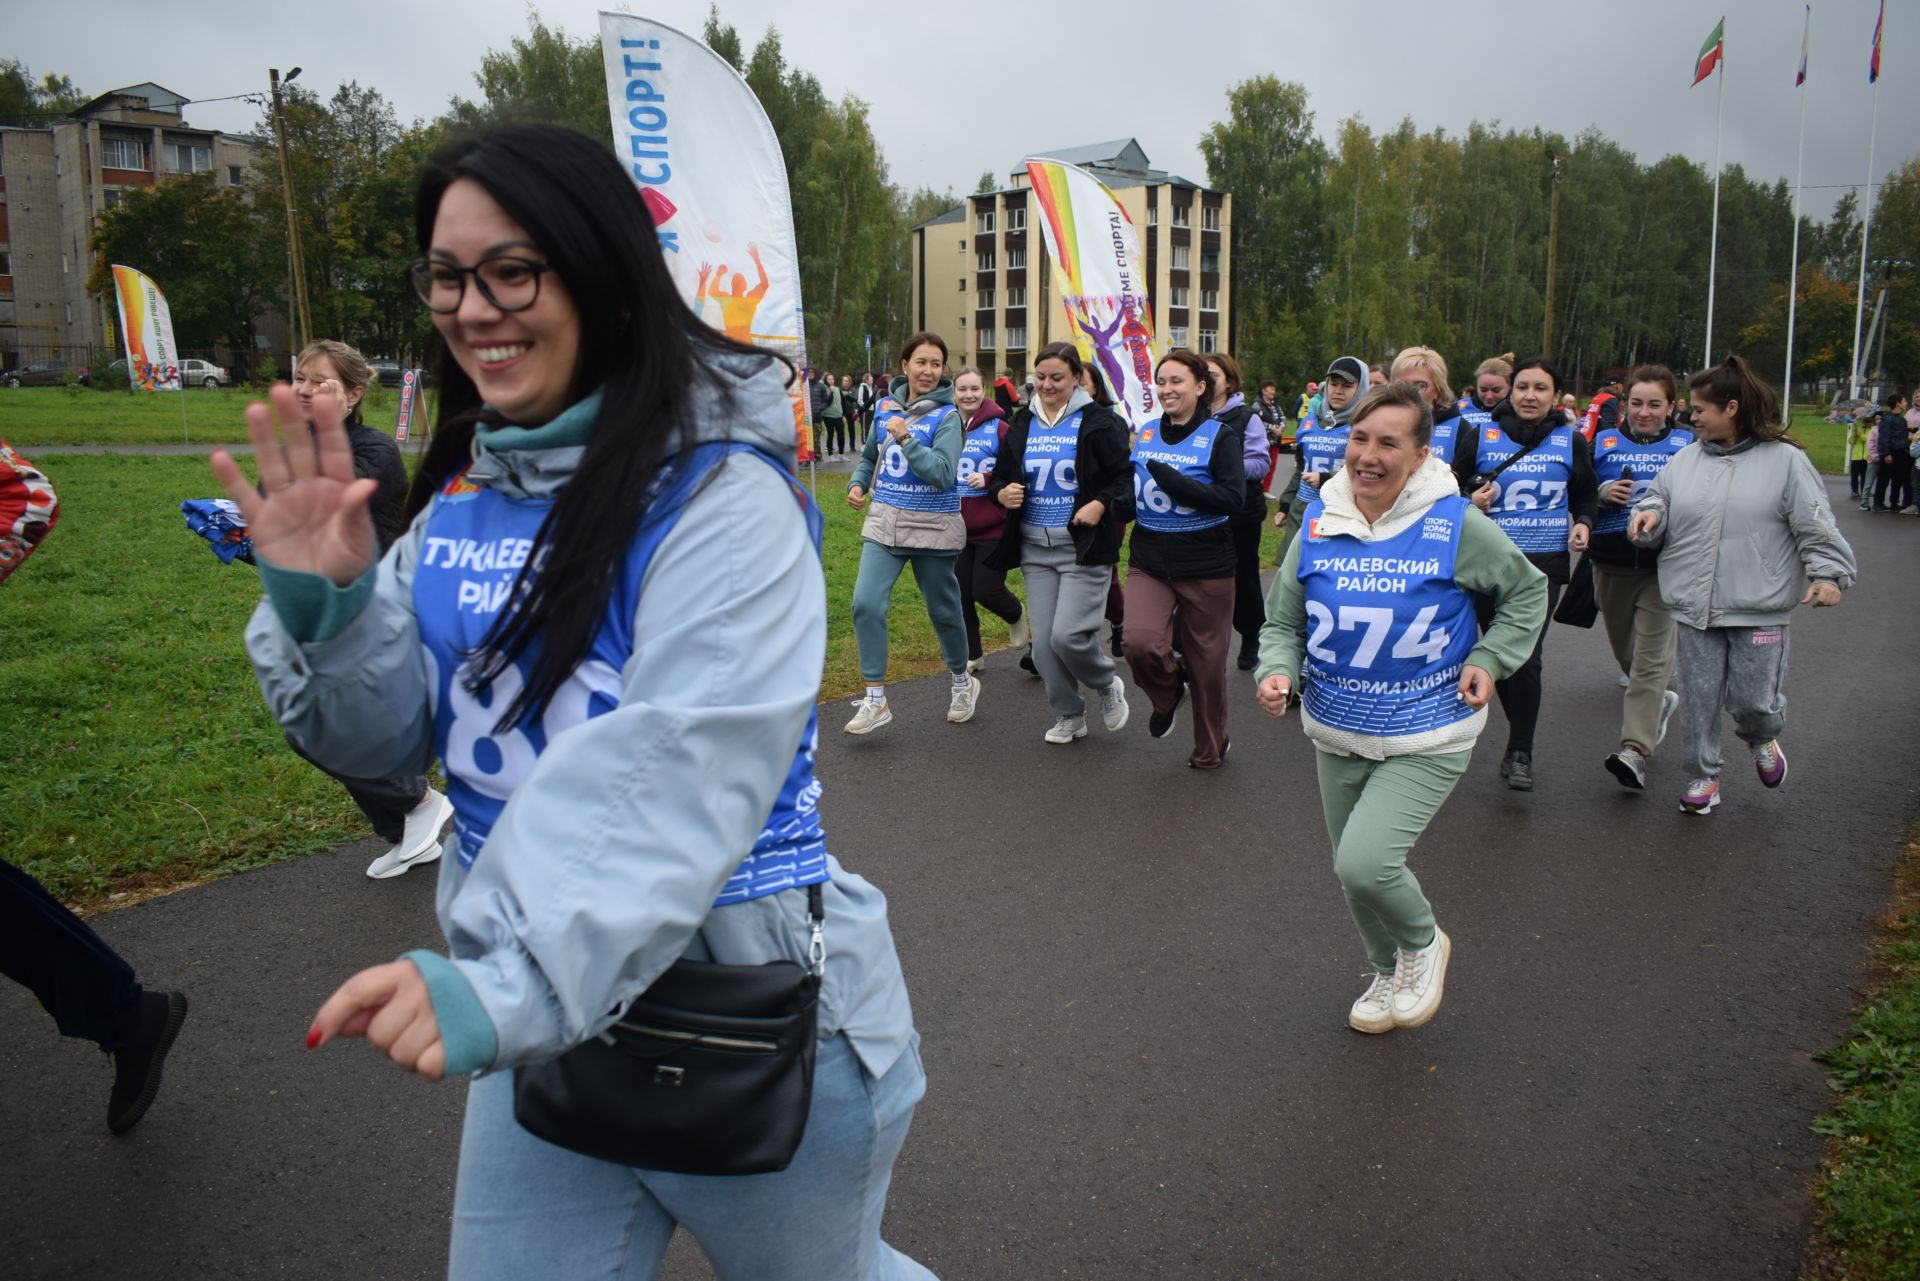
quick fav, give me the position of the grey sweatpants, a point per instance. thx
(1743, 669)
(1066, 602)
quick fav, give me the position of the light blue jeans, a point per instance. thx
(525, 1208)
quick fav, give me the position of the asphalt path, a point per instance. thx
(1132, 979)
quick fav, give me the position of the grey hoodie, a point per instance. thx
(1742, 528)
(603, 867)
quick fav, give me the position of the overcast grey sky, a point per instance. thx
(950, 100)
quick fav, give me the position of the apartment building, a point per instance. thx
(982, 278)
(57, 179)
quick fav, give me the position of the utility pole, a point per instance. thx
(1553, 256)
(297, 318)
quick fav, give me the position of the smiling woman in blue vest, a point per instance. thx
(1372, 612)
(908, 471)
(1189, 478)
(607, 620)
(1542, 492)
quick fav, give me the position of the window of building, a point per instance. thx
(1016, 295)
(986, 259)
(963, 284)
(233, 175)
(963, 242)
(1017, 258)
(983, 222)
(1179, 298)
(1016, 337)
(1210, 261)
(963, 322)
(111, 198)
(1153, 215)
(1183, 215)
(1017, 219)
(1180, 258)
(1209, 300)
(985, 342)
(1209, 340)
(986, 298)
(1210, 217)
(182, 157)
(6, 263)
(126, 153)
(1177, 335)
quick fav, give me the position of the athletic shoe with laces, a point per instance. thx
(1770, 763)
(1629, 766)
(1067, 728)
(1160, 724)
(1519, 771)
(1113, 706)
(1669, 704)
(870, 716)
(1419, 979)
(1019, 632)
(419, 842)
(137, 1063)
(1701, 796)
(960, 709)
(1373, 1012)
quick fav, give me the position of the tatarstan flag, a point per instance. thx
(1711, 52)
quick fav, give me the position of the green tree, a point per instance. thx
(542, 77)
(29, 103)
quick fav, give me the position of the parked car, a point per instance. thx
(46, 373)
(201, 373)
(391, 372)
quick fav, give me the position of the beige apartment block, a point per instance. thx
(983, 281)
(56, 180)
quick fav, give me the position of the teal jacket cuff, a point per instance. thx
(310, 607)
(466, 1033)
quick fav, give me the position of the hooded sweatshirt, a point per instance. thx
(937, 464)
(1487, 563)
(603, 867)
(1322, 419)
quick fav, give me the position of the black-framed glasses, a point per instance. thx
(509, 282)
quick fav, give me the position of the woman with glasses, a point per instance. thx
(608, 620)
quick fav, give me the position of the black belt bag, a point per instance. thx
(709, 1071)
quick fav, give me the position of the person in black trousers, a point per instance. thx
(1893, 484)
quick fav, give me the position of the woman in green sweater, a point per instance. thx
(1372, 614)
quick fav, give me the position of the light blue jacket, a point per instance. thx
(603, 866)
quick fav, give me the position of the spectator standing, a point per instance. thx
(1895, 449)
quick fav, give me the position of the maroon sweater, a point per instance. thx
(985, 517)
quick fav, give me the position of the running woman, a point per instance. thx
(1396, 676)
(1746, 533)
(911, 460)
(1063, 477)
(607, 619)
(1533, 473)
(1626, 578)
(986, 427)
(1189, 478)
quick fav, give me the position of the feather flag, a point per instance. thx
(1873, 66)
(1711, 52)
(1805, 33)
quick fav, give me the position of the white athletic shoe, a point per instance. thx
(960, 710)
(1019, 632)
(1067, 728)
(419, 843)
(1629, 766)
(1625, 680)
(1669, 704)
(976, 665)
(870, 717)
(1373, 1012)
(1113, 706)
(1419, 978)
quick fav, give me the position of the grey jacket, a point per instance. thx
(605, 863)
(1742, 528)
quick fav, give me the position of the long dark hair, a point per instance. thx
(1759, 414)
(640, 345)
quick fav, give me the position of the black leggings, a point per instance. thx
(90, 991)
(983, 586)
(1520, 692)
(1893, 483)
(1249, 605)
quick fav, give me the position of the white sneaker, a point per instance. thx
(1625, 680)
(1373, 1012)
(419, 843)
(960, 709)
(1669, 704)
(870, 717)
(1019, 632)
(1067, 728)
(1629, 766)
(976, 665)
(1418, 980)
(1113, 706)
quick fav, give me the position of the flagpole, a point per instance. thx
(1866, 224)
(1713, 249)
(1793, 278)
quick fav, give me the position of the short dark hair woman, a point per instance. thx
(608, 620)
(1395, 676)
(1745, 532)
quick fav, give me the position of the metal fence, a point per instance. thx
(99, 365)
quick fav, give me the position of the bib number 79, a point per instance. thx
(1420, 639)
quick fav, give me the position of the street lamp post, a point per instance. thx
(297, 318)
(1553, 257)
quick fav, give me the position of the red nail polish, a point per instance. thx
(313, 1036)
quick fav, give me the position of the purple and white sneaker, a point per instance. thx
(1701, 796)
(1770, 762)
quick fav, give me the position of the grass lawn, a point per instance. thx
(32, 416)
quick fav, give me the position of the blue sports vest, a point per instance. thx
(1388, 628)
(1445, 436)
(1530, 499)
(894, 482)
(476, 541)
(1153, 507)
(1052, 485)
(1323, 450)
(978, 452)
(1615, 450)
